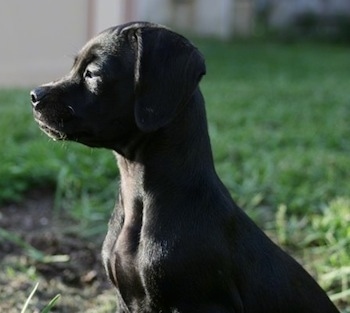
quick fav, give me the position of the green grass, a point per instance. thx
(279, 119)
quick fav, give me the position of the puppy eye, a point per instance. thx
(88, 74)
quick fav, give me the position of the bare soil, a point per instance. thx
(74, 270)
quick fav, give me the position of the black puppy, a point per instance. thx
(176, 240)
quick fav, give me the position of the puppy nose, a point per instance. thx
(37, 95)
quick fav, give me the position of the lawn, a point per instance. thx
(279, 117)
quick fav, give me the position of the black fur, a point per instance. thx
(176, 240)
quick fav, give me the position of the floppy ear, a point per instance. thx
(167, 71)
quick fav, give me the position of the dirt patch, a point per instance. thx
(38, 244)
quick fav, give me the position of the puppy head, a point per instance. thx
(130, 79)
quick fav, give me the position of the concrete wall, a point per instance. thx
(107, 13)
(220, 18)
(283, 12)
(39, 39)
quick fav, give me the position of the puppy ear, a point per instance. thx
(167, 71)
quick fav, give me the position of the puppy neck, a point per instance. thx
(176, 155)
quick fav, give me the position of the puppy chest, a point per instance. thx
(137, 270)
(172, 272)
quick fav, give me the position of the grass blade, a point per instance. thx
(51, 304)
(29, 298)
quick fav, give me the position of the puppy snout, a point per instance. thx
(37, 95)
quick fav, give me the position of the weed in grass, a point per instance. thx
(331, 233)
(323, 234)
